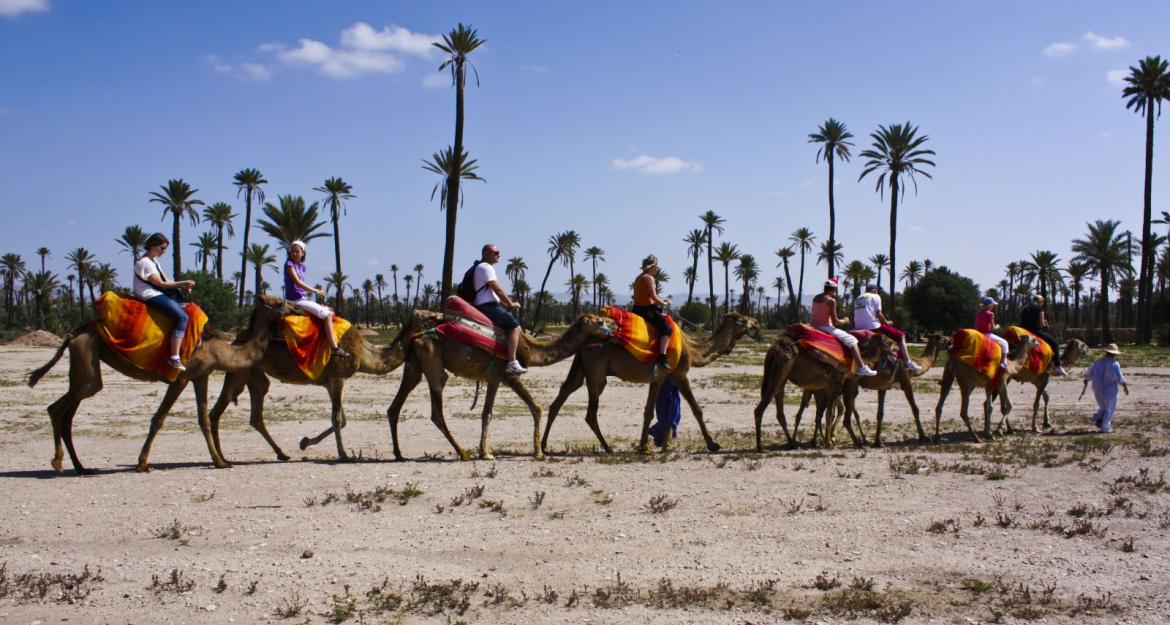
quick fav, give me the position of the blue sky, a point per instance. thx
(623, 121)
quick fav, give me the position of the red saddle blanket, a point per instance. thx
(1040, 358)
(142, 335)
(640, 339)
(982, 354)
(824, 346)
(463, 323)
(307, 345)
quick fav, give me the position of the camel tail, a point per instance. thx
(36, 375)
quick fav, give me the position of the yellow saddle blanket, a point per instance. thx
(306, 344)
(141, 334)
(640, 339)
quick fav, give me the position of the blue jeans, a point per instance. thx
(499, 316)
(173, 310)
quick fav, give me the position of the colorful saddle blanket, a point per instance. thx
(824, 346)
(982, 354)
(463, 323)
(141, 335)
(307, 345)
(1040, 358)
(640, 339)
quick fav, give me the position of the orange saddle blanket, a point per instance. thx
(822, 346)
(141, 334)
(307, 346)
(980, 353)
(640, 339)
(1040, 358)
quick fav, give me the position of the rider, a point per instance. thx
(149, 279)
(823, 318)
(1032, 319)
(650, 307)
(985, 323)
(296, 292)
(492, 301)
(867, 315)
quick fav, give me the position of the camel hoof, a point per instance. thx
(305, 442)
(713, 447)
(486, 455)
(463, 455)
(399, 458)
(538, 455)
(142, 467)
(56, 465)
(223, 465)
(283, 457)
(646, 450)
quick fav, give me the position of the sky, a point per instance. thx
(622, 121)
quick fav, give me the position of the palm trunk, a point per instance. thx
(793, 300)
(710, 279)
(176, 249)
(594, 296)
(1145, 279)
(800, 286)
(337, 252)
(540, 295)
(832, 219)
(694, 277)
(206, 257)
(893, 240)
(243, 255)
(219, 253)
(1106, 334)
(726, 292)
(259, 281)
(573, 291)
(381, 306)
(453, 184)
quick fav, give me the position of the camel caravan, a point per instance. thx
(155, 337)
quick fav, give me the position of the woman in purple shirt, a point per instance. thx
(296, 292)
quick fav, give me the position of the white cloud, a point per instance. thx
(255, 71)
(1060, 48)
(654, 165)
(12, 8)
(1105, 43)
(1116, 76)
(243, 71)
(362, 50)
(437, 80)
(374, 262)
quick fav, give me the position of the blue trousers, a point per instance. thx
(173, 310)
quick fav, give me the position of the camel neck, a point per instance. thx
(710, 349)
(541, 353)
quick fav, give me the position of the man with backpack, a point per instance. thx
(481, 289)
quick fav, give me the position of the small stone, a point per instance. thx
(1144, 577)
(210, 607)
(307, 554)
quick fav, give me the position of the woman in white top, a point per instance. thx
(149, 279)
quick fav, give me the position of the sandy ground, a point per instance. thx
(1061, 528)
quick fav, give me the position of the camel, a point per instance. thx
(969, 379)
(595, 362)
(887, 377)
(87, 351)
(277, 363)
(432, 356)
(785, 362)
(1068, 356)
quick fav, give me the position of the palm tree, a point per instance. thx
(336, 191)
(43, 252)
(827, 255)
(408, 279)
(802, 239)
(695, 241)
(577, 284)
(834, 141)
(516, 269)
(856, 273)
(81, 261)
(133, 240)
(13, 267)
(786, 254)
(177, 198)
(338, 281)
(747, 271)
(394, 279)
(445, 165)
(380, 282)
(573, 242)
(259, 257)
(558, 249)
(41, 287)
(1103, 253)
(104, 276)
(897, 152)
(880, 262)
(726, 253)
(220, 216)
(291, 220)
(520, 290)
(1147, 86)
(204, 248)
(428, 292)
(595, 254)
(912, 272)
(778, 284)
(418, 270)
(603, 291)
(248, 182)
(1077, 272)
(368, 289)
(712, 223)
(457, 45)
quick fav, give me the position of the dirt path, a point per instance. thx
(1069, 527)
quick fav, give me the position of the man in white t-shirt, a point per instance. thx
(867, 315)
(493, 301)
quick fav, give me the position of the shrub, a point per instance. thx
(216, 297)
(696, 312)
(943, 300)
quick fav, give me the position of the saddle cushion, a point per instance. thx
(825, 347)
(641, 340)
(974, 349)
(141, 335)
(1040, 358)
(307, 344)
(464, 324)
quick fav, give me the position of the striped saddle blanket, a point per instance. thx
(463, 323)
(1040, 358)
(306, 345)
(824, 346)
(641, 340)
(982, 354)
(142, 335)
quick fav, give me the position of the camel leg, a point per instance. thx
(805, 397)
(1047, 425)
(792, 439)
(436, 380)
(85, 380)
(644, 446)
(233, 385)
(573, 382)
(489, 400)
(908, 390)
(948, 380)
(1005, 409)
(849, 408)
(964, 404)
(200, 386)
(257, 390)
(337, 416)
(595, 385)
(771, 389)
(411, 376)
(534, 408)
(156, 422)
(881, 413)
(823, 406)
(684, 387)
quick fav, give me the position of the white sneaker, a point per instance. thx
(912, 366)
(865, 372)
(176, 363)
(514, 368)
(1060, 372)
(1003, 365)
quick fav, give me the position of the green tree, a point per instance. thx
(833, 138)
(747, 271)
(81, 261)
(896, 153)
(880, 262)
(725, 254)
(558, 249)
(260, 258)
(457, 44)
(912, 273)
(41, 287)
(336, 191)
(695, 241)
(785, 254)
(942, 301)
(248, 181)
(12, 265)
(1147, 86)
(217, 299)
(418, 270)
(830, 254)
(712, 223)
(220, 216)
(1103, 252)
(178, 200)
(802, 240)
(205, 247)
(338, 281)
(1077, 272)
(44, 252)
(133, 240)
(380, 283)
(594, 254)
(408, 279)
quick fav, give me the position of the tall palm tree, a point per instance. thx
(81, 261)
(558, 249)
(912, 273)
(594, 254)
(1147, 85)
(178, 200)
(833, 138)
(204, 249)
(220, 216)
(1103, 252)
(726, 253)
(802, 239)
(43, 252)
(248, 181)
(418, 270)
(428, 292)
(602, 286)
(368, 290)
(337, 280)
(747, 271)
(336, 191)
(695, 241)
(836, 255)
(577, 284)
(897, 153)
(785, 254)
(133, 240)
(880, 262)
(516, 268)
(446, 165)
(259, 257)
(13, 267)
(457, 44)
(778, 284)
(1077, 272)
(521, 289)
(394, 279)
(104, 276)
(712, 223)
(408, 279)
(1045, 263)
(41, 287)
(380, 282)
(291, 220)
(573, 243)
(856, 273)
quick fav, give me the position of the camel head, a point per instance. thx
(741, 325)
(595, 325)
(1073, 349)
(269, 309)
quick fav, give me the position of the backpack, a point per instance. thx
(467, 290)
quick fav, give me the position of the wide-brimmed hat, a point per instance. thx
(1112, 349)
(649, 261)
(987, 301)
(298, 243)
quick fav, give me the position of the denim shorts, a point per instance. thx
(173, 310)
(502, 319)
